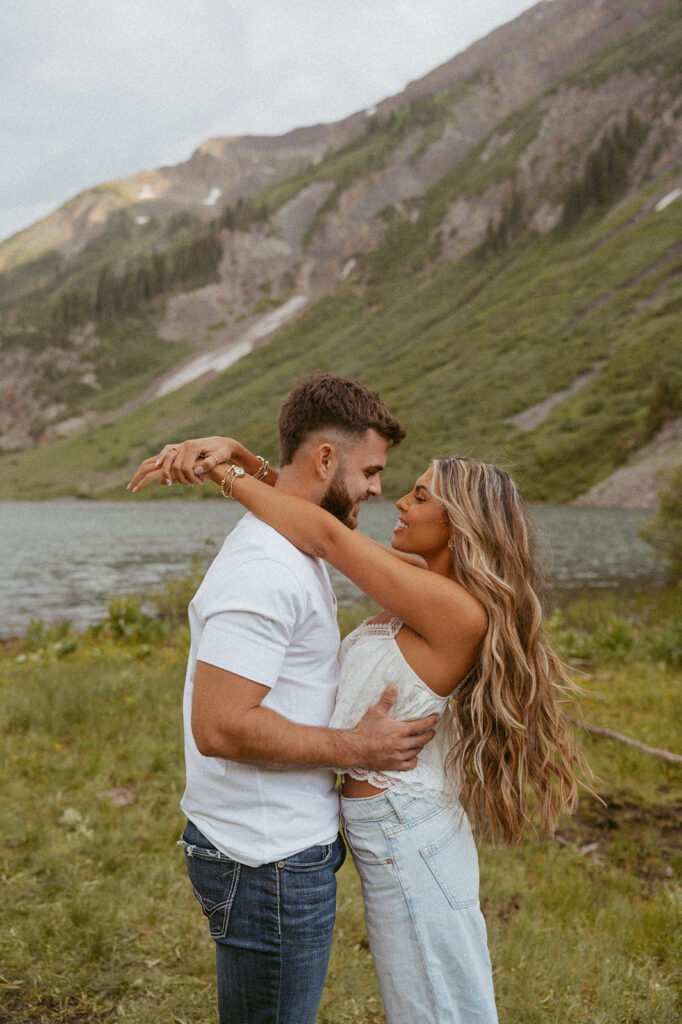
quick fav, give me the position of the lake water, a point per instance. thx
(66, 559)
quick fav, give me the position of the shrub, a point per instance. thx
(619, 640)
(57, 640)
(664, 530)
(172, 600)
(127, 621)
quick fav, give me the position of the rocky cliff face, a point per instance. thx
(503, 72)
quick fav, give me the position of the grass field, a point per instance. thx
(98, 920)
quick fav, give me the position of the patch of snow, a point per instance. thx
(147, 192)
(142, 220)
(213, 197)
(667, 200)
(370, 112)
(347, 269)
(216, 362)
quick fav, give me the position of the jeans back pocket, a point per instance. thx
(453, 862)
(214, 879)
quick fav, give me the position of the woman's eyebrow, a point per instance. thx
(421, 487)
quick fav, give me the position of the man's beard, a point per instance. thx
(338, 501)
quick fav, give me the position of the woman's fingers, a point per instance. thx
(145, 474)
(168, 449)
(184, 469)
(157, 467)
(204, 466)
(165, 464)
(181, 461)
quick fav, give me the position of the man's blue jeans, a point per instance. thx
(272, 928)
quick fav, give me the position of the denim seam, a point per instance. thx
(395, 804)
(396, 830)
(425, 964)
(454, 903)
(313, 866)
(374, 861)
(279, 937)
(427, 853)
(202, 852)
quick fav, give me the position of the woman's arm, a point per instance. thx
(190, 462)
(402, 555)
(441, 611)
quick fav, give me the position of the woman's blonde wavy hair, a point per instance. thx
(512, 751)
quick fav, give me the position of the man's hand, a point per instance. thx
(230, 721)
(384, 744)
(188, 462)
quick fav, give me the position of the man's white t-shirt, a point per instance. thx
(267, 612)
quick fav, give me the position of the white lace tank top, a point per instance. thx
(370, 660)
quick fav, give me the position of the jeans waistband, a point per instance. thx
(391, 804)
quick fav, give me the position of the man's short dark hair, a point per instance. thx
(340, 403)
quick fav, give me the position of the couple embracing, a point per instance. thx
(444, 707)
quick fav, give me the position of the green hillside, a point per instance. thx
(574, 287)
(455, 353)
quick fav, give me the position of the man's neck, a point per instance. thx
(292, 480)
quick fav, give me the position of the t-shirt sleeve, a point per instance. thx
(250, 619)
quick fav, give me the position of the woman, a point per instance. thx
(465, 639)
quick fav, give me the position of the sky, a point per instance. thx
(94, 90)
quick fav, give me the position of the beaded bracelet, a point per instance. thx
(232, 472)
(262, 470)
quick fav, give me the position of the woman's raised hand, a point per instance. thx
(187, 463)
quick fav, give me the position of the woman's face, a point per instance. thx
(422, 527)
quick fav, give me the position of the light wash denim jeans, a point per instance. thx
(419, 870)
(272, 927)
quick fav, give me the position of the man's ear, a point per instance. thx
(326, 460)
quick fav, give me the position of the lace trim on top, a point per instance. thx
(369, 628)
(428, 779)
(391, 629)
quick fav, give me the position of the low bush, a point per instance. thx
(621, 640)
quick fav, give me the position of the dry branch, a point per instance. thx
(666, 755)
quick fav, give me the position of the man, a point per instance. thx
(261, 842)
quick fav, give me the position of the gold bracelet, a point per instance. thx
(232, 472)
(262, 470)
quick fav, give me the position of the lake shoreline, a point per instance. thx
(66, 559)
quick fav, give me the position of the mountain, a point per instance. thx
(497, 250)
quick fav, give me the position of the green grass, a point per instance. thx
(99, 923)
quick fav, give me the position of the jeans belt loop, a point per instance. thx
(393, 801)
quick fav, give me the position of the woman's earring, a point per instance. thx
(451, 544)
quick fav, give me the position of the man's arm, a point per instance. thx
(229, 720)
